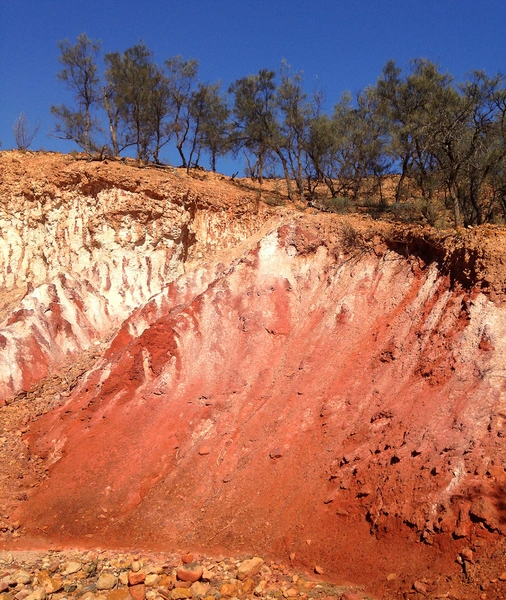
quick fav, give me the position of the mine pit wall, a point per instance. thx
(352, 399)
(78, 254)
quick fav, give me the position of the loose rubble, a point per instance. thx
(104, 575)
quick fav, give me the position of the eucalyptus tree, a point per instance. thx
(80, 74)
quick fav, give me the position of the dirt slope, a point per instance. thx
(322, 389)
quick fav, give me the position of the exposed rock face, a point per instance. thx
(83, 244)
(321, 391)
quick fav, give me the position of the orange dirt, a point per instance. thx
(326, 390)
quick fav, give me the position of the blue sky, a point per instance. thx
(339, 44)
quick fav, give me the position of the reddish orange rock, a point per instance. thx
(467, 554)
(138, 591)
(119, 594)
(135, 578)
(351, 596)
(228, 589)
(190, 572)
(187, 558)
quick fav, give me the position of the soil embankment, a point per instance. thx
(325, 390)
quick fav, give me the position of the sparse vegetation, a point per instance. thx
(23, 134)
(445, 141)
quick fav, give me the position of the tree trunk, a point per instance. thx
(87, 127)
(181, 154)
(286, 173)
(398, 190)
(261, 168)
(456, 208)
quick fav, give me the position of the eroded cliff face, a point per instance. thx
(321, 389)
(83, 244)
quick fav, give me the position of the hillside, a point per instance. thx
(185, 366)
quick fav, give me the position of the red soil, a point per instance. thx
(308, 398)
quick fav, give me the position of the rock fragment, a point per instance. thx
(22, 576)
(190, 572)
(229, 589)
(199, 588)
(50, 584)
(136, 566)
(137, 592)
(72, 567)
(106, 581)
(421, 587)
(37, 594)
(467, 554)
(181, 593)
(119, 594)
(249, 568)
(135, 578)
(152, 579)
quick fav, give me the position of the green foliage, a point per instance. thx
(337, 204)
(131, 79)
(254, 117)
(182, 78)
(351, 239)
(447, 142)
(211, 130)
(80, 75)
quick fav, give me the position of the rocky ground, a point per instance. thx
(102, 575)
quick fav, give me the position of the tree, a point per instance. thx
(469, 144)
(130, 84)
(295, 115)
(22, 133)
(80, 75)
(348, 146)
(209, 123)
(182, 76)
(358, 143)
(215, 124)
(254, 111)
(410, 104)
(320, 145)
(160, 106)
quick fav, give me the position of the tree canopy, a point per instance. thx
(444, 143)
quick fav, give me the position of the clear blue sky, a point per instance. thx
(339, 44)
